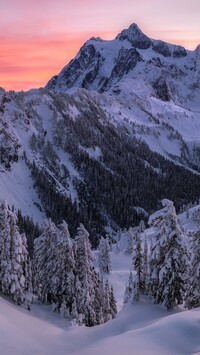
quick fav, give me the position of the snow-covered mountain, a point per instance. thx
(148, 82)
(116, 131)
(169, 71)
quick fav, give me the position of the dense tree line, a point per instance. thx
(126, 174)
(61, 272)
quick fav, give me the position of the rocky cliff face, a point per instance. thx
(100, 65)
(135, 37)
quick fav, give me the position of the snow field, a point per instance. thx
(141, 329)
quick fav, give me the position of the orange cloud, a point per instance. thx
(39, 37)
(25, 58)
(38, 58)
(31, 60)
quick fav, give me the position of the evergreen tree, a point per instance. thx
(168, 260)
(27, 266)
(145, 267)
(132, 292)
(137, 263)
(129, 289)
(107, 305)
(113, 306)
(104, 256)
(154, 267)
(65, 268)
(99, 299)
(192, 297)
(5, 241)
(130, 236)
(15, 274)
(85, 288)
(45, 278)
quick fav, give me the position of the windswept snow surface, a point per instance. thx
(16, 186)
(143, 328)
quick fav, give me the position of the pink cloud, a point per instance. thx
(39, 57)
(39, 37)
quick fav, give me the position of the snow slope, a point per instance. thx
(143, 328)
(16, 186)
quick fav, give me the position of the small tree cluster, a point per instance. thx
(167, 273)
(64, 276)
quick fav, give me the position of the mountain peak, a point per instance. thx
(135, 36)
(134, 28)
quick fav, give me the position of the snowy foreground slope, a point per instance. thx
(142, 328)
(139, 329)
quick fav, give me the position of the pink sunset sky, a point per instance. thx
(39, 37)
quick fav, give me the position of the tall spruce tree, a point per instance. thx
(113, 305)
(85, 287)
(145, 267)
(5, 241)
(168, 259)
(192, 297)
(45, 280)
(132, 292)
(15, 273)
(65, 269)
(129, 289)
(107, 303)
(137, 263)
(104, 256)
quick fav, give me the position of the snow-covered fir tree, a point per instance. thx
(130, 236)
(129, 289)
(5, 241)
(168, 259)
(45, 256)
(99, 299)
(132, 292)
(65, 269)
(113, 305)
(104, 256)
(64, 275)
(192, 297)
(137, 263)
(154, 267)
(138, 277)
(54, 279)
(85, 276)
(145, 267)
(107, 303)
(15, 273)
(92, 308)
